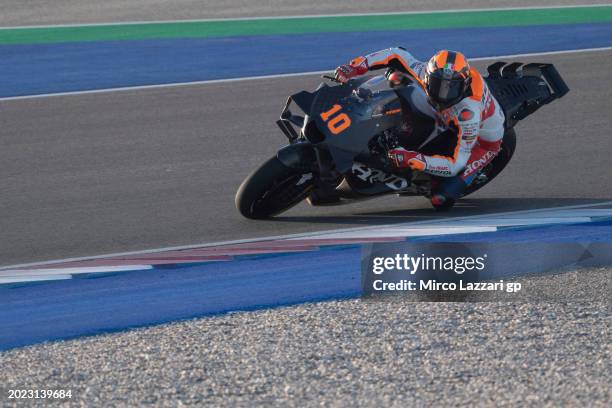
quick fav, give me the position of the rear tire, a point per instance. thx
(271, 189)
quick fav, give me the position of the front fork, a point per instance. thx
(306, 158)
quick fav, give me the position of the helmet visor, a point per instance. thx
(444, 90)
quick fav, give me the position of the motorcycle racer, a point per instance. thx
(464, 106)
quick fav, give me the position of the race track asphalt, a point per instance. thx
(112, 172)
(41, 12)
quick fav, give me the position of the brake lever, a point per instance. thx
(388, 167)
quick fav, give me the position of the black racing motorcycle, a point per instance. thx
(337, 152)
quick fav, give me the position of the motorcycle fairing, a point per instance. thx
(366, 113)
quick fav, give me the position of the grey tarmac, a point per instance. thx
(47, 12)
(122, 171)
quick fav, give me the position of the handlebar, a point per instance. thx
(331, 78)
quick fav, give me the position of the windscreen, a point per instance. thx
(376, 84)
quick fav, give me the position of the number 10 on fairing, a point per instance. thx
(338, 123)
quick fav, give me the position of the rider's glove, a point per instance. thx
(358, 66)
(402, 158)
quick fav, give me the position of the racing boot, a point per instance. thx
(442, 202)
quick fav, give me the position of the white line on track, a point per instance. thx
(467, 221)
(262, 77)
(230, 19)
(5, 273)
(46, 274)
(42, 278)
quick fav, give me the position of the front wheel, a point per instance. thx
(272, 189)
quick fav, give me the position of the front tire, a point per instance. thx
(272, 189)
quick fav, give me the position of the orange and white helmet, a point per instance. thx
(447, 78)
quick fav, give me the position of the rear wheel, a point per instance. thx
(272, 189)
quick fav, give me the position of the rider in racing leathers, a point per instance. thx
(463, 104)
